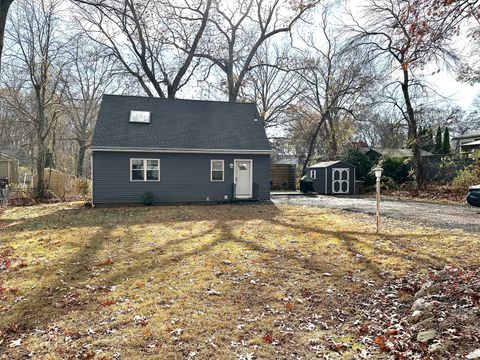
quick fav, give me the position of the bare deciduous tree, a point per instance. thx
(4, 7)
(88, 76)
(143, 35)
(336, 76)
(404, 36)
(36, 61)
(272, 84)
(238, 30)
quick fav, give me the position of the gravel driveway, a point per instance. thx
(436, 215)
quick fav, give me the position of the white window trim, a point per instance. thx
(144, 170)
(211, 170)
(314, 173)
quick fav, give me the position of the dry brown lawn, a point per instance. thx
(201, 282)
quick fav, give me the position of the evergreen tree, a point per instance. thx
(426, 138)
(446, 141)
(438, 141)
(430, 143)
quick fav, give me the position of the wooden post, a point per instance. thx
(378, 205)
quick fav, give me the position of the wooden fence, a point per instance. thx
(283, 176)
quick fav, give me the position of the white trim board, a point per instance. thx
(211, 170)
(145, 169)
(182, 151)
(340, 181)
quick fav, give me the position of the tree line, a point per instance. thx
(322, 74)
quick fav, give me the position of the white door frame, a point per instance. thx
(235, 177)
(341, 181)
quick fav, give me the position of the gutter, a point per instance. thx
(181, 150)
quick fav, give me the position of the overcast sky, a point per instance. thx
(444, 82)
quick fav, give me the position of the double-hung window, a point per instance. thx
(313, 174)
(144, 169)
(216, 170)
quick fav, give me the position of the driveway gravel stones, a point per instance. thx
(441, 216)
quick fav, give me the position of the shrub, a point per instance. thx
(147, 198)
(388, 183)
(362, 163)
(395, 168)
(84, 188)
(470, 174)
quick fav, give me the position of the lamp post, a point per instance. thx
(378, 174)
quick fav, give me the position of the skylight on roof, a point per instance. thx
(140, 116)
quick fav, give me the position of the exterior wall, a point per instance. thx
(323, 183)
(183, 178)
(319, 181)
(9, 169)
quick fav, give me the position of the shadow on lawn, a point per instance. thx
(43, 302)
(42, 306)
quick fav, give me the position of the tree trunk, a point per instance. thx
(40, 165)
(412, 131)
(313, 140)
(171, 92)
(82, 148)
(4, 6)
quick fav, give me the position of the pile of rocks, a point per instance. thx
(436, 315)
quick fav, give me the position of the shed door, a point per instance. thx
(340, 181)
(243, 179)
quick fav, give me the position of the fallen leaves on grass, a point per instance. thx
(268, 338)
(284, 282)
(452, 312)
(108, 302)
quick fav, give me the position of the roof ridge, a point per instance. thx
(177, 99)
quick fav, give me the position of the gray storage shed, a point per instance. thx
(333, 178)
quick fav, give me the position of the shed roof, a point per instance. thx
(325, 164)
(4, 156)
(179, 124)
(467, 135)
(472, 143)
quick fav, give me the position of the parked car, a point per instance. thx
(473, 196)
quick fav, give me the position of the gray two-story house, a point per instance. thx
(178, 151)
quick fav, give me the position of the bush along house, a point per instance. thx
(155, 150)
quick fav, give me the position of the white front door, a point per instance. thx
(243, 179)
(341, 181)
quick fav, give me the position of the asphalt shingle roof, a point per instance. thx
(179, 124)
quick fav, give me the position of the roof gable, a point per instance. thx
(179, 124)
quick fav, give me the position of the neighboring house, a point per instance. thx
(179, 151)
(8, 168)
(468, 142)
(375, 153)
(332, 177)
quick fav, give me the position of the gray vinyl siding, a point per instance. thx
(183, 178)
